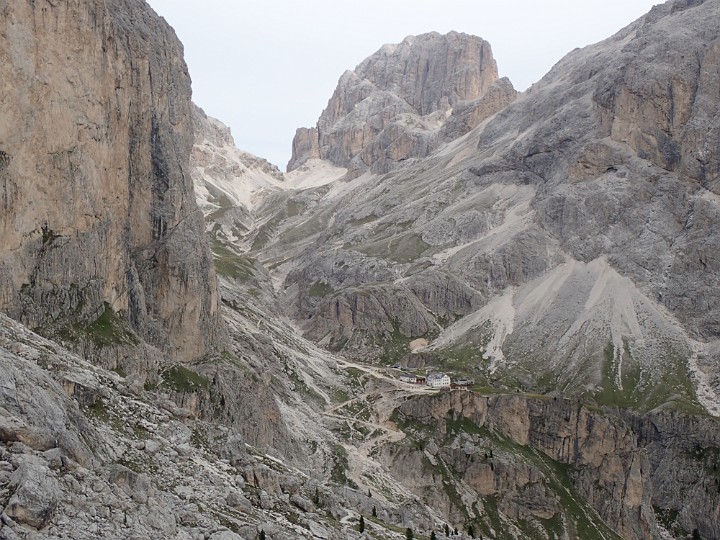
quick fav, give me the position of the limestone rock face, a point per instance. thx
(391, 107)
(37, 493)
(467, 115)
(438, 71)
(305, 146)
(98, 212)
(618, 465)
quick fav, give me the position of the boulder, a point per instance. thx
(37, 493)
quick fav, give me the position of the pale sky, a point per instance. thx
(267, 67)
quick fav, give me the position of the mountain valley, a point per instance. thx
(556, 248)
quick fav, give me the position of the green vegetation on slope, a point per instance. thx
(629, 386)
(182, 379)
(401, 249)
(231, 265)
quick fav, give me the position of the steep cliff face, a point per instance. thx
(393, 105)
(496, 445)
(99, 223)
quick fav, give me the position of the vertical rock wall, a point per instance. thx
(98, 214)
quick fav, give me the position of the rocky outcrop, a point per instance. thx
(37, 493)
(377, 311)
(620, 466)
(98, 218)
(467, 115)
(393, 105)
(683, 472)
(305, 146)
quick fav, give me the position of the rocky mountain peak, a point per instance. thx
(394, 105)
(432, 72)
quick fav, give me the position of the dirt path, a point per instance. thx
(380, 403)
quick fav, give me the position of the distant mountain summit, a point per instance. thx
(404, 101)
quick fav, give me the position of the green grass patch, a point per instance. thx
(464, 359)
(340, 467)
(267, 231)
(337, 345)
(137, 464)
(412, 427)
(358, 409)
(490, 520)
(99, 410)
(304, 230)
(363, 221)
(394, 347)
(48, 236)
(668, 383)
(231, 265)
(299, 382)
(295, 208)
(108, 329)
(401, 249)
(320, 290)
(182, 379)
(339, 395)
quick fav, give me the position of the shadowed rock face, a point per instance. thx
(97, 211)
(392, 106)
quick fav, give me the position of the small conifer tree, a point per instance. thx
(316, 497)
(361, 527)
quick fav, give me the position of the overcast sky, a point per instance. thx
(267, 67)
